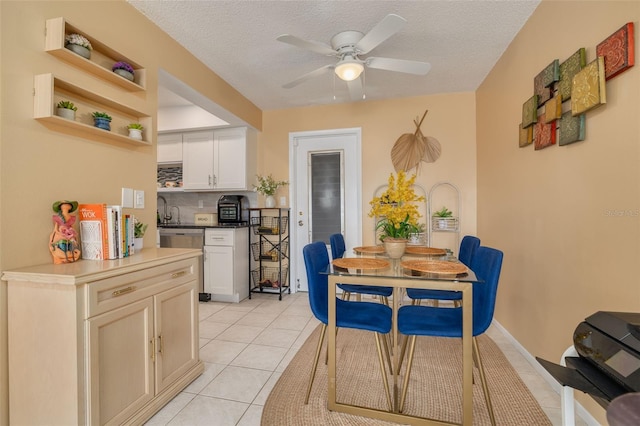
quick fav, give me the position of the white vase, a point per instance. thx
(270, 202)
(135, 134)
(395, 247)
(69, 114)
(80, 50)
(138, 243)
(124, 73)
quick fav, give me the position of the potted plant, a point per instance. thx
(123, 69)
(135, 131)
(443, 220)
(102, 120)
(79, 44)
(139, 229)
(268, 186)
(398, 214)
(66, 109)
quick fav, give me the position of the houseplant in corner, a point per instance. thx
(79, 44)
(139, 229)
(102, 120)
(135, 131)
(268, 186)
(66, 109)
(123, 69)
(397, 214)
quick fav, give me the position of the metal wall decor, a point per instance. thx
(564, 92)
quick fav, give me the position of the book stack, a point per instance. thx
(105, 232)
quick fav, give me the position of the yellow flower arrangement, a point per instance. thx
(396, 208)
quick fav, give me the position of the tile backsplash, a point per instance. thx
(189, 203)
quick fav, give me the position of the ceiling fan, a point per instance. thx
(348, 47)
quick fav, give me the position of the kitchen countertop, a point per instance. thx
(194, 226)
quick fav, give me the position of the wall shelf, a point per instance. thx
(102, 56)
(49, 90)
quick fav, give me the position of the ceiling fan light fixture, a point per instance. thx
(349, 69)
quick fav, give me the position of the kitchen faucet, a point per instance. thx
(166, 216)
(171, 209)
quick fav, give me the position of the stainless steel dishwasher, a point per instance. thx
(185, 238)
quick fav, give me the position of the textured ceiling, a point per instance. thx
(462, 40)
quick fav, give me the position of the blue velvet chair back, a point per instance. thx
(468, 248)
(487, 263)
(337, 246)
(316, 260)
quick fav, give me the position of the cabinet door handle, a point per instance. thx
(209, 180)
(153, 349)
(160, 344)
(178, 274)
(123, 291)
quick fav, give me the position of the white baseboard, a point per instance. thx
(580, 410)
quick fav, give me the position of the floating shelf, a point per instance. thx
(102, 56)
(48, 90)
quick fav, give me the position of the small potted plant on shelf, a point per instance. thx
(139, 229)
(443, 220)
(135, 131)
(66, 109)
(102, 120)
(79, 44)
(123, 69)
(268, 186)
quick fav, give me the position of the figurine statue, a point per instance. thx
(63, 243)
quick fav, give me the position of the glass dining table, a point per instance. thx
(411, 271)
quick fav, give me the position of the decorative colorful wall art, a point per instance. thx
(529, 111)
(588, 89)
(618, 51)
(544, 134)
(543, 81)
(564, 92)
(526, 135)
(568, 69)
(571, 128)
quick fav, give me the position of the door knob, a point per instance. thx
(300, 223)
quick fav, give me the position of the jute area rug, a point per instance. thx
(435, 389)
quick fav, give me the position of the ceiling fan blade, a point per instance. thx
(314, 46)
(399, 65)
(355, 89)
(308, 76)
(389, 25)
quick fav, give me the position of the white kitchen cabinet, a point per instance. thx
(213, 160)
(197, 160)
(226, 264)
(114, 341)
(234, 158)
(170, 148)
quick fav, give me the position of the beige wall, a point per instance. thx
(566, 256)
(39, 166)
(451, 120)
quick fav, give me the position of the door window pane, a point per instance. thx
(326, 195)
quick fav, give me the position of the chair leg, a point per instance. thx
(315, 362)
(383, 371)
(405, 384)
(346, 295)
(387, 352)
(403, 350)
(483, 380)
(326, 355)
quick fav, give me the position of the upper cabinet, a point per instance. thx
(212, 160)
(102, 56)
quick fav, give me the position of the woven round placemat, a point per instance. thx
(360, 263)
(432, 251)
(369, 250)
(440, 267)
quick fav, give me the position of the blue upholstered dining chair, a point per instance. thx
(337, 251)
(368, 316)
(416, 320)
(468, 247)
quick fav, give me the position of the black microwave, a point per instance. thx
(233, 209)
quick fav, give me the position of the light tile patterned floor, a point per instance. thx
(246, 346)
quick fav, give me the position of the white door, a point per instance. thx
(309, 195)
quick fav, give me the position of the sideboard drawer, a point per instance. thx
(105, 295)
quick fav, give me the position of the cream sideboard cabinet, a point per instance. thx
(102, 342)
